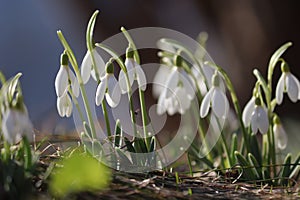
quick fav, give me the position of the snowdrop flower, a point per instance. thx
(160, 79)
(255, 114)
(15, 124)
(63, 77)
(64, 105)
(287, 83)
(109, 88)
(279, 134)
(248, 110)
(216, 99)
(178, 91)
(134, 72)
(87, 68)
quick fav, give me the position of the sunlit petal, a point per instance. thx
(74, 84)
(205, 105)
(248, 110)
(61, 81)
(263, 120)
(188, 85)
(219, 103)
(160, 80)
(68, 106)
(99, 64)
(280, 89)
(113, 94)
(292, 87)
(101, 89)
(86, 67)
(141, 78)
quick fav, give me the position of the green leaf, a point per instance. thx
(275, 57)
(248, 172)
(285, 170)
(118, 134)
(233, 148)
(79, 172)
(257, 167)
(255, 150)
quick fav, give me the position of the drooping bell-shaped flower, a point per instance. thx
(108, 87)
(279, 134)
(134, 72)
(64, 77)
(287, 83)
(215, 99)
(15, 125)
(178, 91)
(248, 110)
(259, 118)
(87, 68)
(64, 105)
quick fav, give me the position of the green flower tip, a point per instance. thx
(257, 101)
(216, 80)
(64, 59)
(178, 60)
(109, 67)
(129, 52)
(276, 120)
(285, 67)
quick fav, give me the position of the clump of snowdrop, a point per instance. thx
(215, 99)
(108, 87)
(134, 72)
(15, 125)
(15, 122)
(287, 83)
(65, 79)
(178, 91)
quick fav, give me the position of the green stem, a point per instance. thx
(81, 85)
(235, 103)
(141, 93)
(123, 67)
(105, 114)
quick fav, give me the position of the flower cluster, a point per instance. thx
(15, 122)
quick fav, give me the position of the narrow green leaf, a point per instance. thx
(118, 134)
(247, 168)
(257, 167)
(285, 170)
(255, 150)
(278, 53)
(233, 148)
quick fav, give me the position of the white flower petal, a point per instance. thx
(280, 136)
(170, 104)
(140, 77)
(182, 100)
(292, 87)
(74, 84)
(86, 67)
(254, 120)
(61, 81)
(160, 80)
(263, 120)
(161, 108)
(100, 64)
(113, 94)
(280, 89)
(100, 92)
(188, 85)
(123, 82)
(69, 106)
(248, 110)
(172, 82)
(219, 103)
(205, 105)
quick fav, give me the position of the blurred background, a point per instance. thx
(242, 36)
